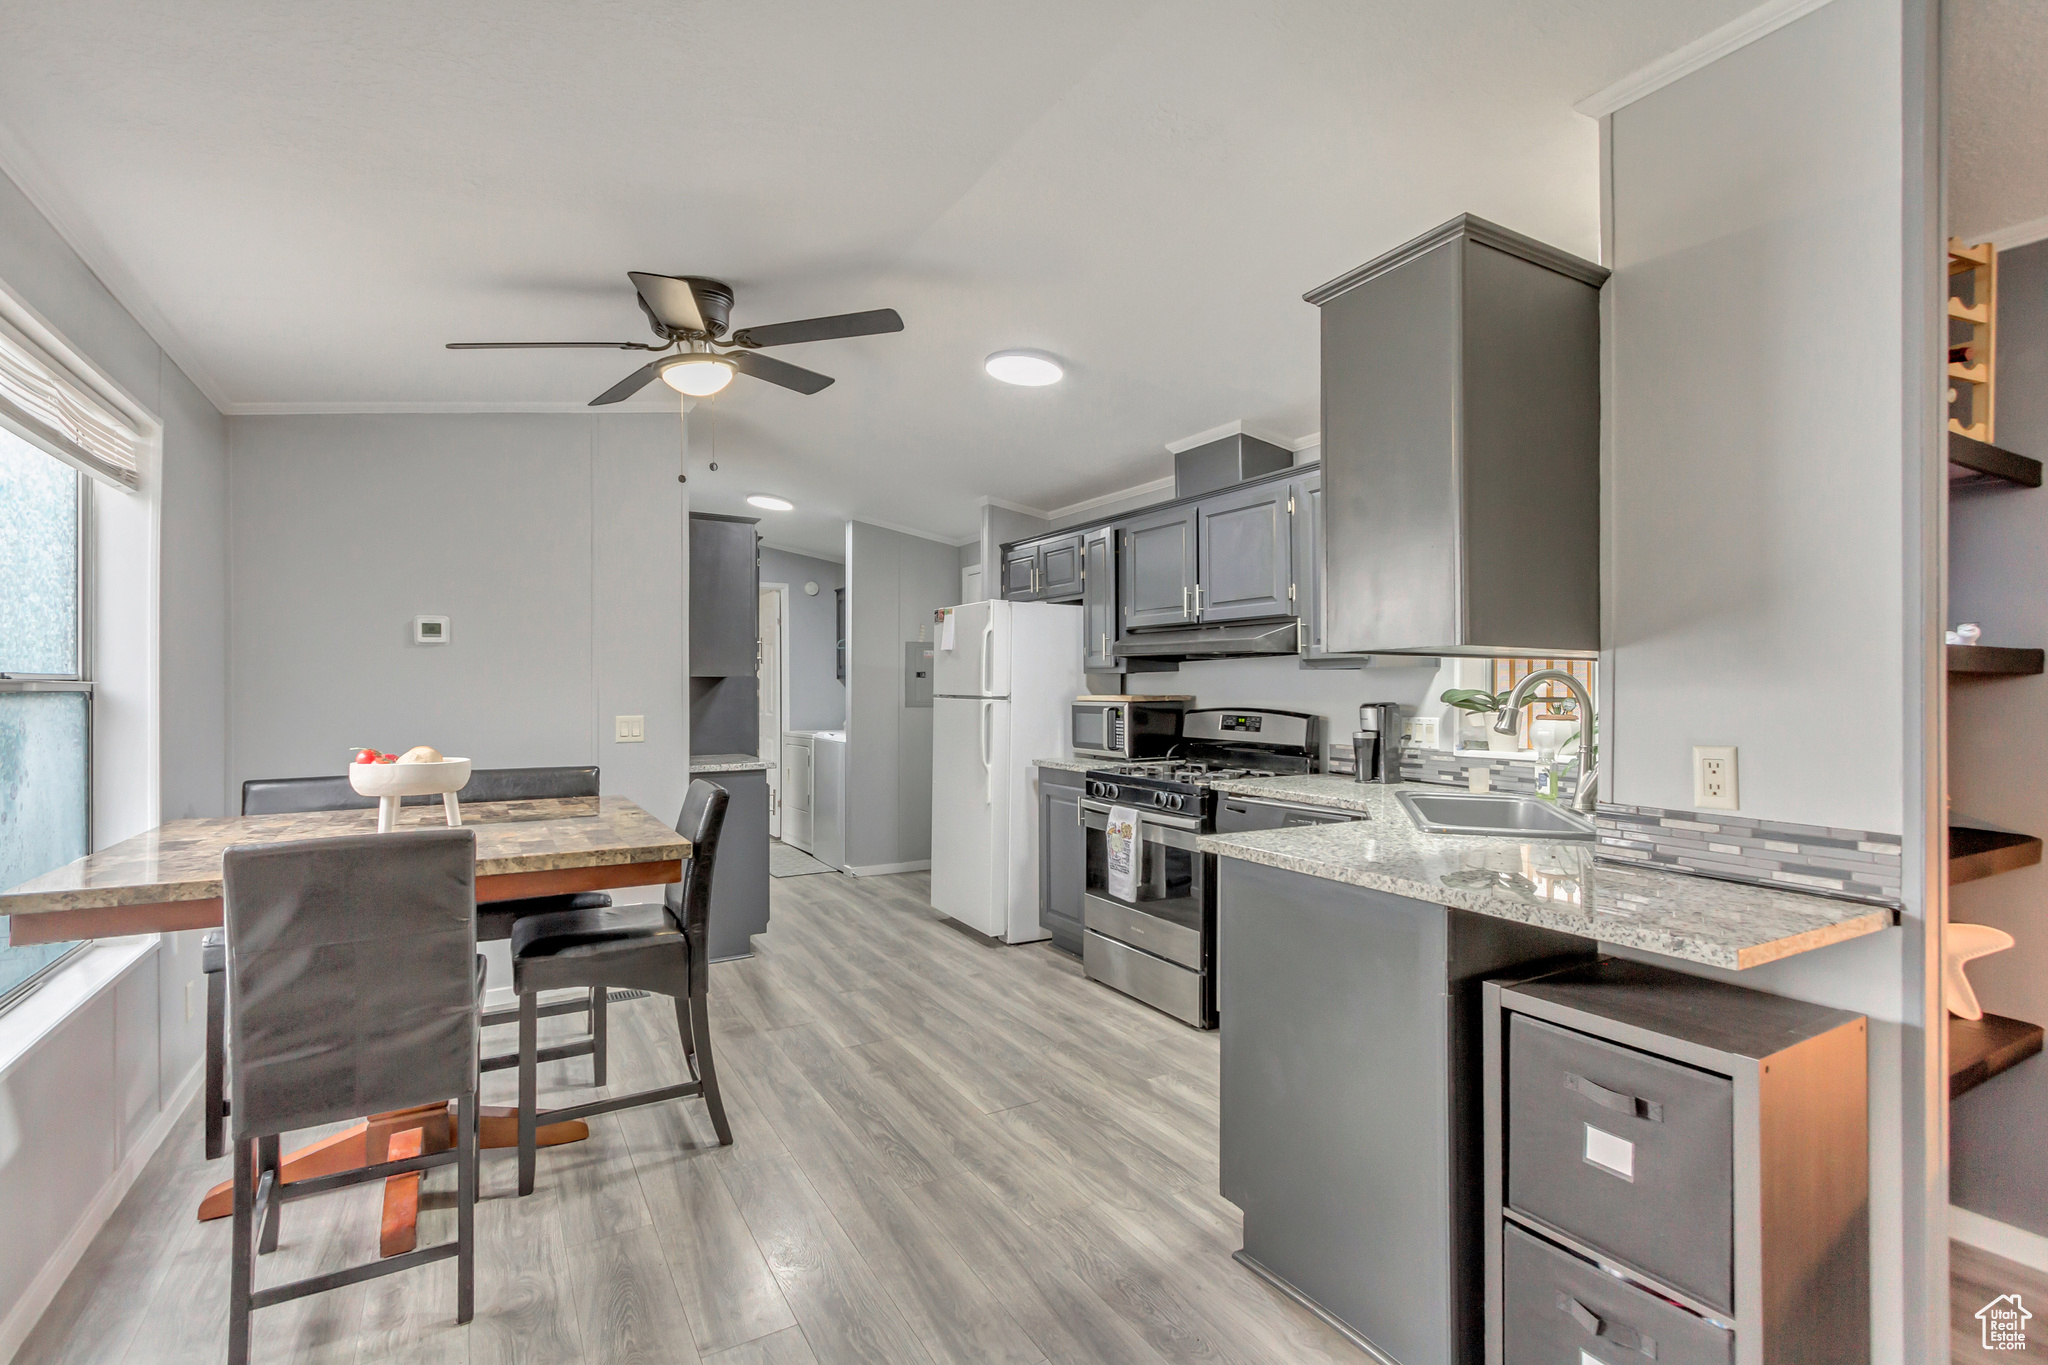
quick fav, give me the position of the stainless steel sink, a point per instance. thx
(1513, 817)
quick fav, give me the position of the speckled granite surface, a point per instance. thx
(728, 763)
(1072, 765)
(1552, 883)
(181, 860)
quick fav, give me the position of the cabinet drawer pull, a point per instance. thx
(1627, 1338)
(1613, 1099)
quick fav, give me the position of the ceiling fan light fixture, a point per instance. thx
(1030, 369)
(769, 503)
(698, 374)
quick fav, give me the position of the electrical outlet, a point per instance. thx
(1713, 777)
(629, 729)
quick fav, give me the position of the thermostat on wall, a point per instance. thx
(430, 630)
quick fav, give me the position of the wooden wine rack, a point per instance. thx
(1973, 383)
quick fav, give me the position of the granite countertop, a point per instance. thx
(180, 861)
(1554, 883)
(729, 763)
(1070, 765)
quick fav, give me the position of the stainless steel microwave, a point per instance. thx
(1126, 727)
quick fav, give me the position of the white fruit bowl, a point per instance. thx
(390, 781)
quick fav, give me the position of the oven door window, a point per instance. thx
(1167, 874)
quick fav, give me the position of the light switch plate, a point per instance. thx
(629, 729)
(1713, 777)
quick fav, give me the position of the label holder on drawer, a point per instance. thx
(1614, 1155)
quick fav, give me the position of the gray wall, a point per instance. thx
(553, 542)
(1998, 760)
(817, 699)
(1760, 493)
(894, 582)
(105, 1078)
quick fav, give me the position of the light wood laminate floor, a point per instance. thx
(945, 1151)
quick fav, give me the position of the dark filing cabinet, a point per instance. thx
(1677, 1171)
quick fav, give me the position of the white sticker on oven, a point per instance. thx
(1616, 1156)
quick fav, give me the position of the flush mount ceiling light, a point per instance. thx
(768, 503)
(698, 374)
(1032, 369)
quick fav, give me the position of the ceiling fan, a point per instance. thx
(691, 314)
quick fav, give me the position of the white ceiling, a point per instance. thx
(304, 202)
(1997, 88)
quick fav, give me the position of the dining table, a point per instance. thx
(168, 879)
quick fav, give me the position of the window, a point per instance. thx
(45, 696)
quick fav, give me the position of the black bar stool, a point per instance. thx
(353, 979)
(299, 795)
(661, 949)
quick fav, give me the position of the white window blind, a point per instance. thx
(45, 404)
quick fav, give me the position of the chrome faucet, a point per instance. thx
(1511, 719)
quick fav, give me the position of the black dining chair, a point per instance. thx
(662, 949)
(301, 795)
(353, 979)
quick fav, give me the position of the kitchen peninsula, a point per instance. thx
(1352, 957)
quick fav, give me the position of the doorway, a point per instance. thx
(773, 678)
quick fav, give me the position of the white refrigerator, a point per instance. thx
(1004, 679)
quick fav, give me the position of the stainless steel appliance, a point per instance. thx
(1374, 748)
(1126, 727)
(1160, 946)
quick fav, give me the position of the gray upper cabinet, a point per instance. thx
(1020, 573)
(1461, 448)
(1098, 600)
(1245, 548)
(1307, 496)
(725, 592)
(1061, 567)
(1156, 580)
(1048, 570)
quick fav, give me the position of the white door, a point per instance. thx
(978, 664)
(966, 799)
(770, 680)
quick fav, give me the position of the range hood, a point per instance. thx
(1213, 642)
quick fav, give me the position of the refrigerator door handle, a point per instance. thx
(988, 656)
(988, 713)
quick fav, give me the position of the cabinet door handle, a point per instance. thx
(1614, 1099)
(1183, 601)
(1198, 601)
(1627, 1338)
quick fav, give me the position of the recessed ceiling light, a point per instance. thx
(699, 374)
(1032, 369)
(770, 504)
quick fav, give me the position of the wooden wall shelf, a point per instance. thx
(1973, 462)
(1972, 379)
(1991, 661)
(1979, 1049)
(1974, 854)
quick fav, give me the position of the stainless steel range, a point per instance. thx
(1160, 945)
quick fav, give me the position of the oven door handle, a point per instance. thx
(1153, 828)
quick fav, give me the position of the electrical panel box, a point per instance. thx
(917, 674)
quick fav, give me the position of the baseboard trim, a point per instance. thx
(2030, 1249)
(890, 869)
(42, 1290)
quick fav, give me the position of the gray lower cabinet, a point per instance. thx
(1156, 569)
(739, 893)
(1098, 600)
(1062, 857)
(1349, 1106)
(1245, 554)
(1563, 1308)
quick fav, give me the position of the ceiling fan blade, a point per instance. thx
(553, 345)
(778, 371)
(870, 323)
(672, 301)
(630, 385)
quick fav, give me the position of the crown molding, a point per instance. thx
(319, 409)
(2006, 238)
(1674, 66)
(1090, 504)
(1202, 438)
(1016, 507)
(920, 533)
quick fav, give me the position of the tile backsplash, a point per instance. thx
(1506, 772)
(1858, 864)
